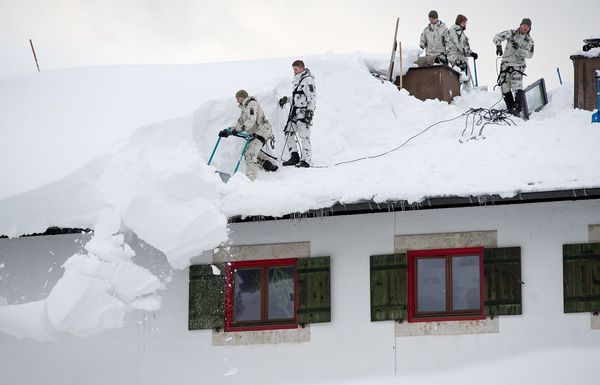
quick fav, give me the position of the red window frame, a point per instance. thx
(448, 314)
(263, 324)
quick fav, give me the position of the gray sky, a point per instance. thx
(71, 33)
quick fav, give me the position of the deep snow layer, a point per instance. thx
(157, 184)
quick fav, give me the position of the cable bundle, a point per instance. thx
(481, 117)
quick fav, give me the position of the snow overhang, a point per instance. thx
(439, 202)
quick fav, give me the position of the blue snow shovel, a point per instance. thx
(475, 68)
(242, 134)
(596, 115)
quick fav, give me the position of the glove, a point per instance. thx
(515, 45)
(499, 50)
(224, 133)
(474, 55)
(308, 116)
(283, 101)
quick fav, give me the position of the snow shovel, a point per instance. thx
(596, 115)
(224, 176)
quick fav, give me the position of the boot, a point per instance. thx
(509, 100)
(268, 166)
(294, 158)
(519, 95)
(302, 164)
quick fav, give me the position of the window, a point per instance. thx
(445, 284)
(261, 295)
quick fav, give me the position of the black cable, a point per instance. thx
(481, 117)
(394, 149)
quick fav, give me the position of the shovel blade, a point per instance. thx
(224, 176)
(596, 117)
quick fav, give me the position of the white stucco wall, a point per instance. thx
(158, 349)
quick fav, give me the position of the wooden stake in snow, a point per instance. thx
(34, 55)
(391, 69)
(401, 71)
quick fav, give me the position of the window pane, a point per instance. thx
(281, 292)
(247, 295)
(466, 293)
(431, 284)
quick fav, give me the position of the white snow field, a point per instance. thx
(61, 165)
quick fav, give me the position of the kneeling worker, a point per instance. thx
(253, 121)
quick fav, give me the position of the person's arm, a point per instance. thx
(502, 36)
(529, 50)
(423, 40)
(310, 90)
(248, 118)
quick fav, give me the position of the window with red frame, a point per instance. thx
(445, 284)
(261, 295)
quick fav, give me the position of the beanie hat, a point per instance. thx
(460, 19)
(433, 14)
(241, 94)
(526, 21)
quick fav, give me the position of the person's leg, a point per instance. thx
(251, 157)
(264, 161)
(505, 77)
(517, 85)
(304, 138)
(292, 146)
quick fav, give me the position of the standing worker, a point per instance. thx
(253, 121)
(434, 39)
(300, 118)
(519, 46)
(459, 48)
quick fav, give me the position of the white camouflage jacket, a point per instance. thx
(253, 119)
(458, 49)
(434, 39)
(304, 94)
(519, 46)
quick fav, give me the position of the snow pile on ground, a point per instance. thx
(158, 184)
(94, 294)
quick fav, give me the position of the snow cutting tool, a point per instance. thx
(596, 115)
(241, 134)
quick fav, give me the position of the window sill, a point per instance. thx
(261, 337)
(447, 328)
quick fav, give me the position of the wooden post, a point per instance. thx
(401, 69)
(391, 68)
(34, 55)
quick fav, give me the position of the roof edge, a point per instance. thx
(430, 203)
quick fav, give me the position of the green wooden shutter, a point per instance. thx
(206, 309)
(502, 276)
(389, 295)
(314, 298)
(581, 277)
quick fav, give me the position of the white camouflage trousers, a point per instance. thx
(300, 130)
(511, 79)
(254, 158)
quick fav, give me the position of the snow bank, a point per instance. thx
(158, 185)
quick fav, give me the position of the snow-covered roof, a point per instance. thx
(158, 184)
(158, 179)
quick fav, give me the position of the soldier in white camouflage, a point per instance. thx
(434, 38)
(253, 121)
(300, 118)
(519, 46)
(459, 48)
